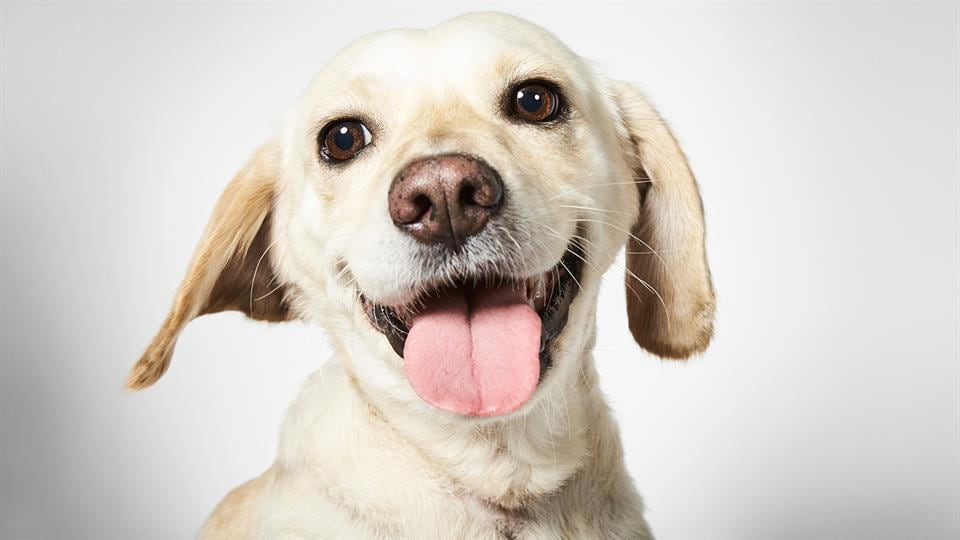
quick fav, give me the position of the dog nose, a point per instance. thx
(445, 199)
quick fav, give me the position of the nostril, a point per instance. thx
(407, 208)
(485, 192)
(421, 205)
(468, 195)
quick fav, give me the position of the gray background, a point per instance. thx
(825, 137)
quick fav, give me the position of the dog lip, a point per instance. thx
(561, 285)
(386, 320)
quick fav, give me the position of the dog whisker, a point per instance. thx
(671, 250)
(268, 293)
(643, 282)
(253, 280)
(591, 186)
(566, 408)
(612, 261)
(344, 270)
(519, 250)
(594, 209)
(638, 239)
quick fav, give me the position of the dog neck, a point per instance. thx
(511, 462)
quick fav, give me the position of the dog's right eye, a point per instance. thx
(342, 140)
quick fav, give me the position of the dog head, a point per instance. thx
(445, 202)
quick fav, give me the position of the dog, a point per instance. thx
(444, 203)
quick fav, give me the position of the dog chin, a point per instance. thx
(479, 345)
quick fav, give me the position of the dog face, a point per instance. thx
(445, 202)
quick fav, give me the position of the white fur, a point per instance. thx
(360, 454)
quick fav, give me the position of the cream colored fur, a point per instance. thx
(360, 455)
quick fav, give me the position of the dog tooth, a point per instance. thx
(540, 291)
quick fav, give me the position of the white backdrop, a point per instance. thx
(825, 138)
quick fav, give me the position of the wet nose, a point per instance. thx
(445, 199)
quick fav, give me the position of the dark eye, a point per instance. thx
(343, 139)
(534, 101)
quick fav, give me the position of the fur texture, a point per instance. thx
(360, 455)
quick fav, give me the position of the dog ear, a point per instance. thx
(670, 299)
(231, 269)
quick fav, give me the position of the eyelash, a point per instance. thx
(323, 149)
(564, 109)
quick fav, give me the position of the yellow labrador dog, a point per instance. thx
(444, 202)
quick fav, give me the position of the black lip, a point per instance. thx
(388, 322)
(553, 316)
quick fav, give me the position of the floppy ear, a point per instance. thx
(671, 310)
(231, 269)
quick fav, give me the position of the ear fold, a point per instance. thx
(670, 299)
(231, 269)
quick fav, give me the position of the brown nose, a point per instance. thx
(445, 199)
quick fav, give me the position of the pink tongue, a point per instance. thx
(476, 355)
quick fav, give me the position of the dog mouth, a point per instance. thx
(481, 344)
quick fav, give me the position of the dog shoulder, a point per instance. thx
(234, 517)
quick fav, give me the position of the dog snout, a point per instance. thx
(445, 199)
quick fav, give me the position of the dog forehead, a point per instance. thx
(467, 47)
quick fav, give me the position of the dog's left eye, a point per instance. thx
(343, 139)
(534, 101)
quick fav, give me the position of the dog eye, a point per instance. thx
(535, 101)
(343, 139)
